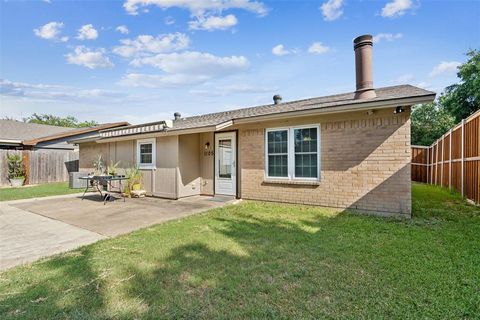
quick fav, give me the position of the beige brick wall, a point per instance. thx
(365, 163)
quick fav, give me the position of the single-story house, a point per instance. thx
(348, 150)
(19, 135)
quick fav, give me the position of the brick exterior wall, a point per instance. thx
(365, 164)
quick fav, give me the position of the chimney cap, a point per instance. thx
(366, 39)
(277, 99)
(177, 115)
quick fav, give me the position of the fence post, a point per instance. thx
(450, 162)
(26, 165)
(428, 161)
(463, 155)
(443, 160)
(431, 167)
(436, 165)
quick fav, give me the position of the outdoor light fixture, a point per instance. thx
(398, 109)
(207, 145)
(370, 112)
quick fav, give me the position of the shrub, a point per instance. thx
(16, 169)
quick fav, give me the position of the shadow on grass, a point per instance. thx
(69, 286)
(257, 261)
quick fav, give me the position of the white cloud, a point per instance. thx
(445, 67)
(279, 50)
(49, 92)
(122, 29)
(50, 31)
(396, 8)
(160, 81)
(213, 22)
(186, 68)
(198, 7)
(318, 48)
(195, 63)
(89, 58)
(87, 32)
(387, 36)
(169, 20)
(145, 44)
(332, 9)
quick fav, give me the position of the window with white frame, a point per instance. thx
(293, 153)
(146, 153)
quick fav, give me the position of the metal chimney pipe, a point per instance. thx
(363, 46)
(177, 115)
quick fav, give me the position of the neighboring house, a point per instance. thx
(349, 150)
(19, 135)
(13, 132)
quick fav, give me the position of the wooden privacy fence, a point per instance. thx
(42, 166)
(453, 161)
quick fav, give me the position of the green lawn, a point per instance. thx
(259, 260)
(42, 190)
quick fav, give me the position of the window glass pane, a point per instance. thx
(146, 148)
(278, 166)
(225, 158)
(306, 157)
(146, 158)
(146, 153)
(306, 140)
(277, 150)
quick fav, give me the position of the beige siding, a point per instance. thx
(166, 172)
(89, 152)
(365, 163)
(206, 163)
(188, 165)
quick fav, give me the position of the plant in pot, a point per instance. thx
(112, 168)
(16, 170)
(134, 178)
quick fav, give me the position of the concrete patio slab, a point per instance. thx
(118, 217)
(35, 228)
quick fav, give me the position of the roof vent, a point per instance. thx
(277, 99)
(363, 46)
(177, 115)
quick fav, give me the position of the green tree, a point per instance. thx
(429, 122)
(52, 120)
(463, 99)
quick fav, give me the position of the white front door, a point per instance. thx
(225, 164)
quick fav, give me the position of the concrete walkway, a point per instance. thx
(26, 237)
(31, 229)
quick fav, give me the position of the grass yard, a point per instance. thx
(259, 260)
(41, 190)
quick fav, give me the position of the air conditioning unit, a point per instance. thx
(75, 183)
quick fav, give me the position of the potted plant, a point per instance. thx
(134, 179)
(112, 168)
(16, 170)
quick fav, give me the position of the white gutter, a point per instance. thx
(8, 141)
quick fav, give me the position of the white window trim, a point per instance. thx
(291, 153)
(154, 154)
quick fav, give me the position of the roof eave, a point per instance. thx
(171, 132)
(378, 104)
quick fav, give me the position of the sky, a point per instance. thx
(142, 60)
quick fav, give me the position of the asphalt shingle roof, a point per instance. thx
(18, 130)
(383, 94)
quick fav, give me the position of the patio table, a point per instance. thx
(96, 181)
